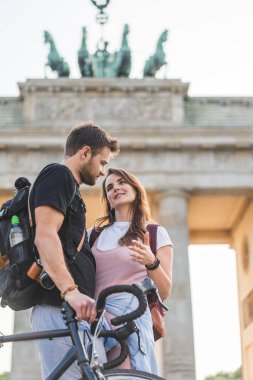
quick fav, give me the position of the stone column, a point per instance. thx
(178, 346)
(25, 358)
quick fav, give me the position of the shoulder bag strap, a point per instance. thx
(93, 236)
(152, 229)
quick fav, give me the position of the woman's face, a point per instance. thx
(118, 191)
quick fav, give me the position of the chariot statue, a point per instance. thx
(103, 63)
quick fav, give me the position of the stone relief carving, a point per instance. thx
(59, 109)
(113, 107)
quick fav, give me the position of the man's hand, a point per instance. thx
(84, 306)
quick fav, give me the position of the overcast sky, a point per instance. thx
(210, 42)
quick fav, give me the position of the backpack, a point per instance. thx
(17, 289)
(155, 307)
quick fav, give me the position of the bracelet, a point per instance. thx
(70, 288)
(154, 265)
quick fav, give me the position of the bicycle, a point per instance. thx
(79, 353)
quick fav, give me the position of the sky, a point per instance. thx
(214, 293)
(210, 45)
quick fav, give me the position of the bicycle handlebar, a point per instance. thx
(122, 333)
(133, 289)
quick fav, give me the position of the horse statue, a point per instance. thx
(84, 57)
(124, 56)
(55, 61)
(156, 61)
(119, 63)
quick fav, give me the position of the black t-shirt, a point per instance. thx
(55, 187)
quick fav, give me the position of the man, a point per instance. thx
(58, 212)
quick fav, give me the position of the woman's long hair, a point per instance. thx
(140, 210)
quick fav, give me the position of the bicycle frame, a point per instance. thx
(77, 352)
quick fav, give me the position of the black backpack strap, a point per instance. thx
(152, 229)
(73, 196)
(79, 247)
(93, 236)
(72, 251)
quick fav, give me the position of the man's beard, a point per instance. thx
(86, 175)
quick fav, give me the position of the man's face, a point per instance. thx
(90, 171)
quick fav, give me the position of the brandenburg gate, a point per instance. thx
(193, 155)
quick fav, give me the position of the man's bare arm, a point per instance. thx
(48, 223)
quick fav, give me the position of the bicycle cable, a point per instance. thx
(97, 366)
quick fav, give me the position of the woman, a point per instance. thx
(123, 256)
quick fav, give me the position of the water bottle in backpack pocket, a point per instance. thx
(20, 286)
(17, 290)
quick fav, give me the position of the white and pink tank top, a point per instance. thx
(114, 265)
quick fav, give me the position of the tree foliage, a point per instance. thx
(226, 376)
(4, 376)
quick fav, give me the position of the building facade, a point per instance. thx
(193, 155)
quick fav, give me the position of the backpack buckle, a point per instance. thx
(73, 208)
(14, 269)
(3, 213)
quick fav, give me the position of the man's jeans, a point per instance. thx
(52, 351)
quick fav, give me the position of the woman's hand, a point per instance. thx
(142, 252)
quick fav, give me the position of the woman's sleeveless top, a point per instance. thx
(115, 267)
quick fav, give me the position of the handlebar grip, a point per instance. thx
(119, 360)
(121, 333)
(119, 289)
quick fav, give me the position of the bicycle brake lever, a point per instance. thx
(149, 288)
(146, 286)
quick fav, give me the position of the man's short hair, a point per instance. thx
(89, 134)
